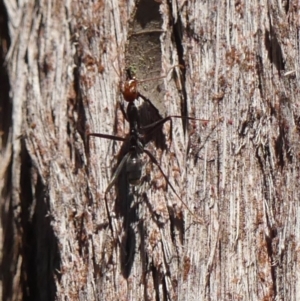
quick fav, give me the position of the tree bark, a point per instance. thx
(233, 232)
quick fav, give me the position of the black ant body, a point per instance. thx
(137, 140)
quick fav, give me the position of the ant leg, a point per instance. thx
(157, 124)
(151, 79)
(162, 76)
(109, 186)
(153, 159)
(123, 111)
(160, 122)
(117, 172)
(151, 128)
(115, 175)
(106, 136)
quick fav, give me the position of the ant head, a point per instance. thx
(129, 87)
(129, 90)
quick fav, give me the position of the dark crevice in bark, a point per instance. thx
(8, 264)
(272, 257)
(177, 232)
(155, 276)
(273, 47)
(283, 145)
(82, 236)
(39, 246)
(260, 73)
(5, 102)
(287, 6)
(262, 156)
(178, 36)
(29, 239)
(75, 104)
(10, 243)
(166, 294)
(280, 144)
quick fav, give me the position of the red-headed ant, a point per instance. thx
(137, 138)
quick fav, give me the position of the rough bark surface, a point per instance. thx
(61, 67)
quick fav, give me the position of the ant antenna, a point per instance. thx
(130, 87)
(163, 76)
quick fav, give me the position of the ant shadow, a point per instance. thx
(127, 201)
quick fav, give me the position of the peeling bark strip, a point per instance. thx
(143, 53)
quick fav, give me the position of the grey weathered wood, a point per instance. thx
(238, 172)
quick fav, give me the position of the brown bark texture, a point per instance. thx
(226, 226)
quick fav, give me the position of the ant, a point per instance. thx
(137, 139)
